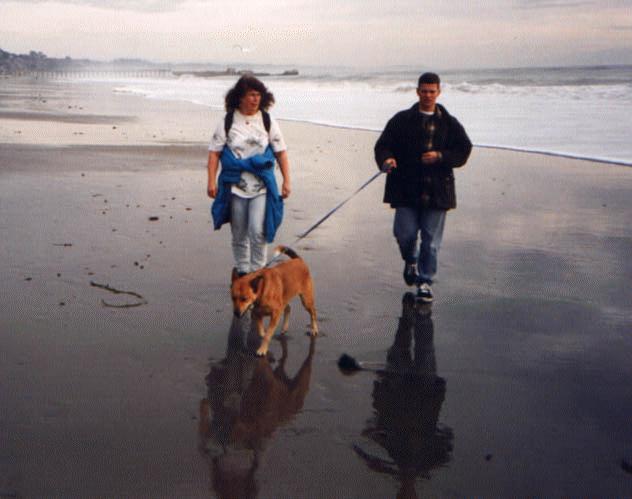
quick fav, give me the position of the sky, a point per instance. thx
(362, 33)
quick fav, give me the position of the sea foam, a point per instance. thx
(578, 112)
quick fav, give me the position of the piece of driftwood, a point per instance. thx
(109, 288)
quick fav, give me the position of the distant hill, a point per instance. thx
(16, 64)
(34, 61)
(38, 61)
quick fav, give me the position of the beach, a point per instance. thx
(520, 368)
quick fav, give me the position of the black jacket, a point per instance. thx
(406, 138)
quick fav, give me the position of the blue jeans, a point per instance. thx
(247, 216)
(425, 222)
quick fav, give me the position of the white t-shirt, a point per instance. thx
(247, 137)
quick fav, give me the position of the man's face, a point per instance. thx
(428, 93)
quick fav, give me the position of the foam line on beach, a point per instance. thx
(608, 161)
(329, 123)
(80, 119)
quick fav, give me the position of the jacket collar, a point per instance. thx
(439, 110)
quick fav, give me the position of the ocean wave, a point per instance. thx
(608, 92)
(405, 88)
(130, 91)
(536, 118)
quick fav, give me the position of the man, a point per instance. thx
(418, 150)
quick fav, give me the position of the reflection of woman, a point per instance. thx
(247, 142)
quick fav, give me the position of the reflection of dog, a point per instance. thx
(247, 401)
(268, 292)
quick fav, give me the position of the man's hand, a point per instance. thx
(431, 157)
(389, 165)
(212, 190)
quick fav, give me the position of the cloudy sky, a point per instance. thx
(442, 34)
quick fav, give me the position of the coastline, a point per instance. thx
(529, 330)
(606, 161)
(147, 133)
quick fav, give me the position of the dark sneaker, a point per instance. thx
(410, 273)
(424, 293)
(236, 274)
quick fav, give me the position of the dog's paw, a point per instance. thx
(262, 352)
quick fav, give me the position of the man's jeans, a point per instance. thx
(247, 216)
(428, 223)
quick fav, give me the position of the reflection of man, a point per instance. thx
(407, 399)
(418, 149)
(247, 401)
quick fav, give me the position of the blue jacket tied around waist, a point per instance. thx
(261, 165)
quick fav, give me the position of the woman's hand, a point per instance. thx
(284, 165)
(213, 165)
(285, 190)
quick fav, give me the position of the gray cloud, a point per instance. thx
(553, 4)
(126, 5)
(355, 32)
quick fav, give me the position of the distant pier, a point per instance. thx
(53, 74)
(90, 73)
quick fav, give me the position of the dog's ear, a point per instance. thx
(257, 284)
(234, 275)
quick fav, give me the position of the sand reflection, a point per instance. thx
(247, 401)
(407, 400)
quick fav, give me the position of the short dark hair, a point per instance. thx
(429, 78)
(244, 84)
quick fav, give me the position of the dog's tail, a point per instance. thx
(285, 250)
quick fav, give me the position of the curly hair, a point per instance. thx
(240, 89)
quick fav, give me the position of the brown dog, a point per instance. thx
(268, 292)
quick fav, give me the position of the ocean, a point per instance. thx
(583, 112)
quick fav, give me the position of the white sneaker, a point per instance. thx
(424, 293)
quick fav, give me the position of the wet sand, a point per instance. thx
(514, 383)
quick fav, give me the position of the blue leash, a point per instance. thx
(330, 213)
(335, 209)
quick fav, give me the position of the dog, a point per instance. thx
(268, 292)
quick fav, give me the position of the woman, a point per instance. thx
(247, 142)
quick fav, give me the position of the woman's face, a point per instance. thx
(249, 103)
